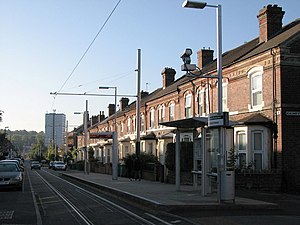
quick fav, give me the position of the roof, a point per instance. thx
(243, 52)
(255, 119)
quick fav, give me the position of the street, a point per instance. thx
(50, 198)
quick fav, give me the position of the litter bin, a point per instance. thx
(227, 186)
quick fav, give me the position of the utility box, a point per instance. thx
(227, 186)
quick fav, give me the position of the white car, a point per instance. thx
(59, 165)
(11, 175)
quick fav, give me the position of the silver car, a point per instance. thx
(10, 176)
(59, 165)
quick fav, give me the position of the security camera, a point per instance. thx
(187, 53)
(185, 56)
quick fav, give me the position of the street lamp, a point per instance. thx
(85, 122)
(115, 138)
(202, 5)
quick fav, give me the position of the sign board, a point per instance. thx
(101, 135)
(292, 113)
(218, 119)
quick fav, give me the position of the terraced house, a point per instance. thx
(261, 81)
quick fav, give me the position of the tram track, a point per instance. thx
(86, 205)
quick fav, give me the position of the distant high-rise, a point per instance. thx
(55, 125)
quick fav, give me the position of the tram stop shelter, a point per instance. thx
(209, 140)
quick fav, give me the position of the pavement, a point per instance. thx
(163, 196)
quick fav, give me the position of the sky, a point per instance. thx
(42, 41)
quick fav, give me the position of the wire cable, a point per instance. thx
(88, 48)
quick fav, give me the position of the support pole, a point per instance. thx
(177, 160)
(138, 105)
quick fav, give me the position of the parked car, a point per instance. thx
(11, 176)
(50, 164)
(59, 165)
(35, 165)
(20, 165)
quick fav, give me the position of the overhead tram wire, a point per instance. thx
(88, 48)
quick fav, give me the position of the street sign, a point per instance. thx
(218, 119)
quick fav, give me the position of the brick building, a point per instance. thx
(261, 80)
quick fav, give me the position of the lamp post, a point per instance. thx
(202, 5)
(85, 122)
(115, 139)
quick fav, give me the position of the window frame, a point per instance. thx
(255, 76)
(188, 105)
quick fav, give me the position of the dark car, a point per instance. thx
(35, 165)
(11, 176)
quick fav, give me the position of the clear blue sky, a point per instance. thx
(42, 41)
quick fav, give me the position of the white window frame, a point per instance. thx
(161, 114)
(257, 151)
(201, 108)
(188, 106)
(256, 75)
(152, 118)
(225, 96)
(142, 123)
(242, 151)
(128, 125)
(172, 111)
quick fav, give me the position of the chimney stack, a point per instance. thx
(205, 56)
(111, 109)
(101, 116)
(123, 103)
(168, 75)
(144, 94)
(270, 22)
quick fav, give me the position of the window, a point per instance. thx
(142, 122)
(256, 90)
(201, 103)
(151, 148)
(255, 76)
(152, 118)
(188, 106)
(128, 125)
(224, 97)
(242, 148)
(161, 113)
(257, 145)
(172, 112)
(126, 150)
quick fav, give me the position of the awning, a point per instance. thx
(193, 122)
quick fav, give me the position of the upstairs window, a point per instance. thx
(255, 76)
(172, 112)
(201, 103)
(224, 98)
(142, 122)
(161, 114)
(188, 106)
(128, 125)
(152, 118)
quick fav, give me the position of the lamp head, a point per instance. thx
(193, 4)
